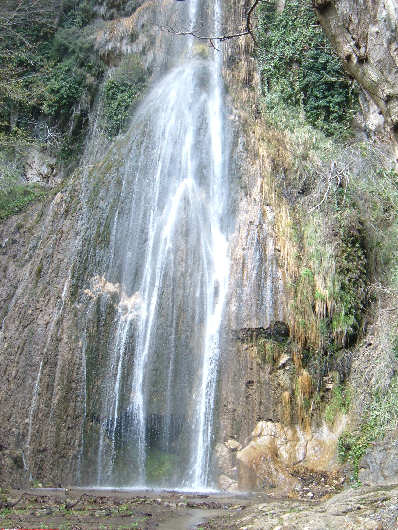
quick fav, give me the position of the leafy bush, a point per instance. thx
(47, 64)
(299, 67)
(64, 89)
(120, 92)
(16, 198)
(77, 13)
(352, 447)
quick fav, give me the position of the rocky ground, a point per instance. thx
(77, 509)
(373, 508)
(363, 508)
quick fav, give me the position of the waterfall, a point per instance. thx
(167, 278)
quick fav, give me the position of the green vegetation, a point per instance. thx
(48, 76)
(63, 90)
(382, 416)
(299, 68)
(269, 351)
(50, 72)
(14, 198)
(121, 91)
(339, 403)
(329, 286)
(349, 289)
(339, 228)
(47, 61)
(375, 195)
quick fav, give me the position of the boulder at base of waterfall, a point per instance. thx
(286, 460)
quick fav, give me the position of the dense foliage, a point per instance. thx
(299, 68)
(47, 65)
(121, 92)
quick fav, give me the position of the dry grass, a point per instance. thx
(303, 397)
(286, 408)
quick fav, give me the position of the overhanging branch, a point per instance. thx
(221, 38)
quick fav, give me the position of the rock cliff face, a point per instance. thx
(54, 332)
(51, 254)
(41, 395)
(364, 34)
(276, 390)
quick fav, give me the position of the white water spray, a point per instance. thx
(170, 243)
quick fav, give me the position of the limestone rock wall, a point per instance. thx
(250, 388)
(41, 404)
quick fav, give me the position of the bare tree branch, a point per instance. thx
(211, 39)
(221, 38)
(249, 20)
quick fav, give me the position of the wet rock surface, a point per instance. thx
(380, 465)
(39, 346)
(278, 331)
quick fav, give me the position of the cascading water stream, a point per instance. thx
(170, 267)
(220, 271)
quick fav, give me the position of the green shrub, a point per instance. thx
(16, 198)
(269, 350)
(46, 67)
(121, 92)
(299, 68)
(339, 402)
(352, 447)
(64, 88)
(77, 13)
